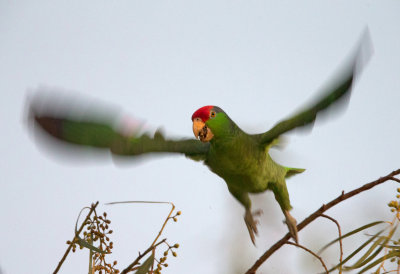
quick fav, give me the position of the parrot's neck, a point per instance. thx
(224, 128)
(226, 134)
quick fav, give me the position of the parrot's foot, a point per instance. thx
(251, 223)
(292, 225)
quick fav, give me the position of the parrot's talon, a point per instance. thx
(252, 224)
(292, 225)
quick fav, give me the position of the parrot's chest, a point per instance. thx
(241, 166)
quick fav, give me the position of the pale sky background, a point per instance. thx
(160, 61)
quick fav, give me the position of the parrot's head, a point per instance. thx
(208, 122)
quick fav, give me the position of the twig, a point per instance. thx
(395, 179)
(153, 245)
(135, 262)
(165, 223)
(150, 202)
(317, 214)
(92, 208)
(309, 251)
(398, 268)
(340, 239)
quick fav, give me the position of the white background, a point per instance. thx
(160, 61)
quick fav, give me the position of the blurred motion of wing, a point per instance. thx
(101, 128)
(241, 159)
(336, 92)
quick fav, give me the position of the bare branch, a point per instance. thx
(394, 179)
(318, 213)
(340, 238)
(309, 251)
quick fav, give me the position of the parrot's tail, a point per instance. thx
(290, 171)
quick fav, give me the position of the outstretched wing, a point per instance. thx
(101, 132)
(337, 93)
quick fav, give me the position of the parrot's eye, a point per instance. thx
(212, 114)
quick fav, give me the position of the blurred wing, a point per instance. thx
(308, 115)
(333, 96)
(92, 132)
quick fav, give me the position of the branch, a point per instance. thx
(164, 224)
(340, 239)
(92, 208)
(312, 253)
(135, 262)
(154, 244)
(318, 213)
(395, 179)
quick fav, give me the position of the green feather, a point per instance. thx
(241, 159)
(290, 171)
(101, 135)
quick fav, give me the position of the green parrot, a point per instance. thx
(242, 160)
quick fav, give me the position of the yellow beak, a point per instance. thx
(201, 131)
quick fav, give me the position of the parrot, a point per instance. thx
(242, 160)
